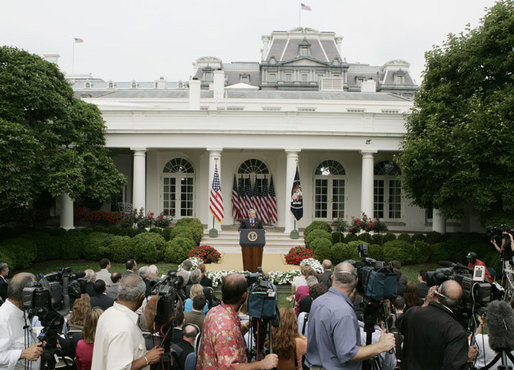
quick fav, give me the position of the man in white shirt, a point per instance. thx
(13, 347)
(104, 273)
(119, 342)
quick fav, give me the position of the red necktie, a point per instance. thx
(252, 222)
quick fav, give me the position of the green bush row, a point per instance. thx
(22, 248)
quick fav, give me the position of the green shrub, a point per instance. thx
(195, 225)
(404, 237)
(72, 245)
(377, 239)
(148, 247)
(388, 237)
(48, 246)
(182, 232)
(424, 251)
(120, 249)
(316, 243)
(376, 251)
(341, 252)
(21, 251)
(7, 258)
(317, 225)
(100, 229)
(418, 238)
(365, 237)
(316, 234)
(337, 237)
(350, 238)
(402, 251)
(434, 237)
(178, 249)
(136, 231)
(439, 251)
(96, 245)
(166, 232)
(323, 250)
(156, 230)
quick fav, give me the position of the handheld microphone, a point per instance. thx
(500, 321)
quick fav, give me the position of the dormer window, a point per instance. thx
(359, 80)
(134, 85)
(244, 78)
(399, 77)
(111, 85)
(207, 74)
(304, 48)
(88, 85)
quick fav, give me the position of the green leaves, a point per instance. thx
(459, 146)
(50, 142)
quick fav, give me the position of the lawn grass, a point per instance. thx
(412, 271)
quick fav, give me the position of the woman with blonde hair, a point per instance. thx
(196, 289)
(78, 312)
(84, 350)
(288, 343)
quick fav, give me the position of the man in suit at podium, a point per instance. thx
(252, 222)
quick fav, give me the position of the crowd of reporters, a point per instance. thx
(115, 324)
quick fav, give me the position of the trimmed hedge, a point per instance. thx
(96, 245)
(120, 249)
(319, 243)
(22, 252)
(148, 247)
(317, 225)
(317, 234)
(178, 249)
(341, 252)
(337, 237)
(404, 237)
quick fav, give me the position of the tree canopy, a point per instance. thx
(50, 142)
(459, 147)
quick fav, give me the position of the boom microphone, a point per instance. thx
(500, 321)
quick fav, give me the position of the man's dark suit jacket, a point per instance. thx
(325, 278)
(101, 300)
(246, 224)
(3, 288)
(434, 339)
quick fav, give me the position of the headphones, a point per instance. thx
(445, 300)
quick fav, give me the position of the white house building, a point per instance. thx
(341, 122)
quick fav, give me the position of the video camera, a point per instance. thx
(169, 289)
(495, 232)
(262, 298)
(49, 300)
(377, 279)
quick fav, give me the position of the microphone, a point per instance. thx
(454, 265)
(500, 321)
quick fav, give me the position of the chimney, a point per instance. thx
(369, 86)
(194, 94)
(52, 58)
(218, 85)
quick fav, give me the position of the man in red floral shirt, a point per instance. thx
(222, 345)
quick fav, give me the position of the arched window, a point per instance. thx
(253, 166)
(329, 190)
(387, 200)
(178, 188)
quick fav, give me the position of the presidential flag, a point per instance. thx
(297, 197)
(272, 203)
(236, 208)
(216, 198)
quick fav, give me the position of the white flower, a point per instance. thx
(276, 277)
(314, 263)
(195, 262)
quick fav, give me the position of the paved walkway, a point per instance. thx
(234, 261)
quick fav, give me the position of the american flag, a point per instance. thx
(236, 208)
(305, 7)
(78, 40)
(248, 196)
(242, 204)
(216, 198)
(257, 200)
(271, 200)
(264, 202)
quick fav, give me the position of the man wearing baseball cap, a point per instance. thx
(474, 261)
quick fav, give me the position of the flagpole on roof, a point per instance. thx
(300, 14)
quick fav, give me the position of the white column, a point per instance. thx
(438, 221)
(292, 160)
(66, 217)
(367, 182)
(215, 158)
(139, 179)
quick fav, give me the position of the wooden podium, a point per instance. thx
(252, 243)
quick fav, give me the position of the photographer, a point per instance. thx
(222, 345)
(333, 335)
(434, 339)
(4, 272)
(13, 344)
(474, 261)
(505, 249)
(119, 343)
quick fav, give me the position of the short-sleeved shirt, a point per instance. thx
(222, 345)
(333, 336)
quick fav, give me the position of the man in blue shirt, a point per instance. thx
(333, 337)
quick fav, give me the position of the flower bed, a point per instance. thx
(297, 255)
(314, 263)
(205, 252)
(276, 277)
(103, 217)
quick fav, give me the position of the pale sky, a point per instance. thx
(147, 39)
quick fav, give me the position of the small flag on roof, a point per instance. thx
(305, 7)
(78, 40)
